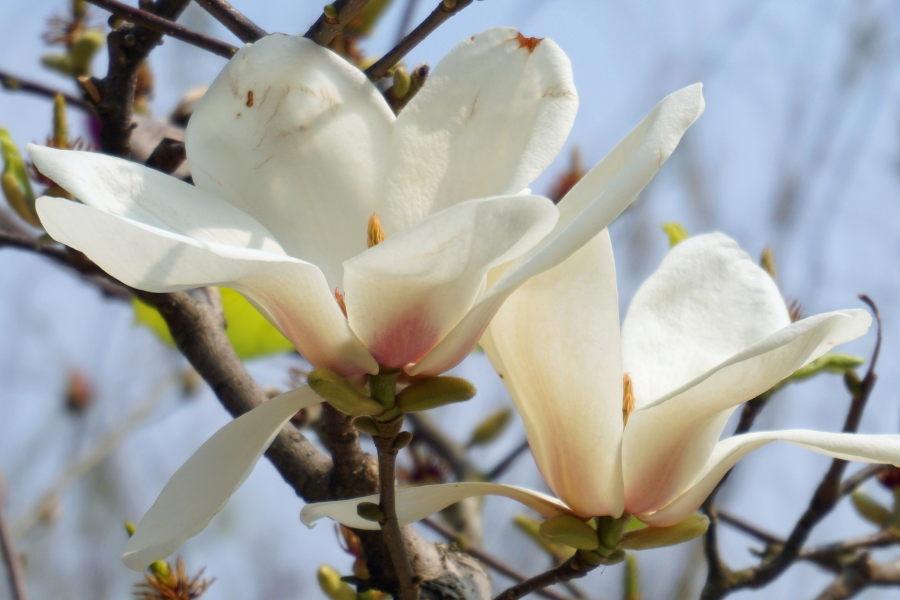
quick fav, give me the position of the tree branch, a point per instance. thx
(501, 467)
(573, 568)
(14, 572)
(223, 12)
(170, 28)
(444, 10)
(13, 83)
(324, 30)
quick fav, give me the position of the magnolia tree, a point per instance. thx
(381, 221)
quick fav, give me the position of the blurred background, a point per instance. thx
(798, 150)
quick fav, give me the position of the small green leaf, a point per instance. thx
(248, 331)
(341, 394)
(657, 537)
(569, 531)
(828, 363)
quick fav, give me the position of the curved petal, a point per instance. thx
(585, 211)
(883, 449)
(127, 189)
(555, 344)
(203, 485)
(668, 441)
(416, 503)
(291, 293)
(406, 293)
(298, 138)
(493, 114)
(706, 302)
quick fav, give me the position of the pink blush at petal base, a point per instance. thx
(406, 340)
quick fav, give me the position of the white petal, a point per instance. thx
(555, 344)
(667, 442)
(203, 485)
(406, 293)
(846, 446)
(585, 211)
(307, 158)
(706, 302)
(416, 503)
(492, 116)
(127, 189)
(289, 292)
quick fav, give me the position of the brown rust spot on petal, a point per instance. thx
(530, 43)
(249, 98)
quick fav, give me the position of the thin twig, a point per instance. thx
(571, 569)
(849, 485)
(749, 529)
(14, 572)
(425, 28)
(170, 28)
(17, 84)
(233, 20)
(324, 30)
(426, 431)
(485, 557)
(501, 467)
(390, 525)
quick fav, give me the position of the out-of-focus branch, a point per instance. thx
(233, 20)
(14, 572)
(860, 573)
(825, 498)
(326, 28)
(153, 22)
(444, 10)
(571, 569)
(13, 83)
(426, 431)
(485, 557)
(507, 461)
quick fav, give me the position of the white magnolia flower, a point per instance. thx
(292, 150)
(708, 331)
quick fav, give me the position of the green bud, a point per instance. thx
(595, 559)
(632, 581)
(13, 163)
(828, 363)
(853, 382)
(60, 128)
(609, 530)
(130, 528)
(401, 82)
(532, 528)
(160, 568)
(370, 511)
(332, 586)
(402, 440)
(433, 392)
(83, 50)
(676, 233)
(366, 425)
(491, 427)
(869, 508)
(58, 62)
(341, 394)
(615, 558)
(448, 4)
(330, 12)
(657, 537)
(17, 201)
(569, 531)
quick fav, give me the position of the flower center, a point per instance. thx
(627, 398)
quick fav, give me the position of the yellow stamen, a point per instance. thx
(375, 232)
(627, 398)
(340, 300)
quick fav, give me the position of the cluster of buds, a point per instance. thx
(80, 39)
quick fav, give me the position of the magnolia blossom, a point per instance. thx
(632, 423)
(292, 150)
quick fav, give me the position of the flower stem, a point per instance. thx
(390, 526)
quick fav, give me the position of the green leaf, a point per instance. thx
(365, 20)
(248, 331)
(828, 363)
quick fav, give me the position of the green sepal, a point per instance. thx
(341, 394)
(434, 392)
(532, 528)
(828, 363)
(569, 531)
(657, 537)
